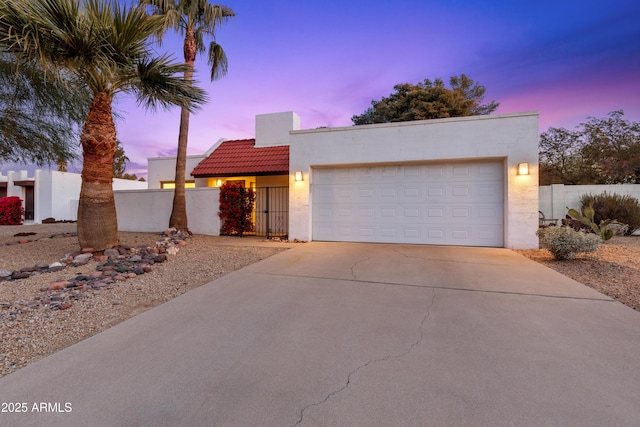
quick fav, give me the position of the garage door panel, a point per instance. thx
(459, 204)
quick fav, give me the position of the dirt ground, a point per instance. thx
(613, 270)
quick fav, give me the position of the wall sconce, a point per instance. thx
(299, 176)
(219, 183)
(523, 168)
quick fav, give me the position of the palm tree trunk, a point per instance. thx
(97, 221)
(178, 217)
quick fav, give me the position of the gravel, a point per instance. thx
(613, 270)
(27, 335)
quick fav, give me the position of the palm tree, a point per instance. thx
(195, 19)
(40, 114)
(106, 45)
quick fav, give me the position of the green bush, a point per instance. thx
(565, 242)
(623, 209)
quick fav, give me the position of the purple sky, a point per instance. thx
(326, 60)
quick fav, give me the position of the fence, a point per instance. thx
(555, 199)
(149, 210)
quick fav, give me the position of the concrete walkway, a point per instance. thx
(343, 334)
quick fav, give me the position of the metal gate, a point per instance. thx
(271, 214)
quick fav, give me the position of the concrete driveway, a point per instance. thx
(343, 334)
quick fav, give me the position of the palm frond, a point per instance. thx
(160, 82)
(217, 61)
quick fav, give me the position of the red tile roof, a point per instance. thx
(241, 157)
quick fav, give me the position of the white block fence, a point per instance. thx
(149, 210)
(554, 199)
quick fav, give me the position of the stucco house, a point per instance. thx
(470, 181)
(51, 194)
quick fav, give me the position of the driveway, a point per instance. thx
(345, 334)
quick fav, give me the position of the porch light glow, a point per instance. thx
(219, 183)
(523, 168)
(299, 176)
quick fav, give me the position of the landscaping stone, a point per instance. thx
(111, 253)
(82, 259)
(115, 265)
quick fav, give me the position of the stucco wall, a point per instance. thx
(512, 137)
(56, 193)
(149, 210)
(273, 129)
(164, 169)
(555, 199)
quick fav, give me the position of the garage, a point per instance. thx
(456, 203)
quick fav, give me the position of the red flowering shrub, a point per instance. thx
(11, 210)
(236, 207)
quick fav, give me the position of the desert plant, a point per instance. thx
(624, 209)
(11, 210)
(565, 242)
(618, 228)
(587, 218)
(236, 208)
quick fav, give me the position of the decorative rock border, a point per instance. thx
(115, 265)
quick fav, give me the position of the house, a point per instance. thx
(51, 194)
(470, 181)
(449, 181)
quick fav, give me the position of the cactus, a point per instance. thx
(586, 217)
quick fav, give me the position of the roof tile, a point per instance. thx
(241, 157)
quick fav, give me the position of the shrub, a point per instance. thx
(618, 228)
(11, 210)
(565, 242)
(236, 208)
(623, 209)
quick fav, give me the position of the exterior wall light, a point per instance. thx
(299, 176)
(219, 183)
(523, 168)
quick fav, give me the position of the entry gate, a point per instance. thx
(272, 212)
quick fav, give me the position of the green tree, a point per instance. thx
(428, 100)
(120, 160)
(613, 145)
(561, 159)
(106, 46)
(132, 177)
(599, 151)
(40, 115)
(195, 19)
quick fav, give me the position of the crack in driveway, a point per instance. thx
(373, 361)
(353, 267)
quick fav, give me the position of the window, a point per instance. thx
(172, 184)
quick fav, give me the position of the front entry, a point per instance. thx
(272, 212)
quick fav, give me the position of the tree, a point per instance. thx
(40, 115)
(613, 145)
(194, 19)
(106, 46)
(428, 100)
(599, 151)
(561, 159)
(132, 177)
(120, 160)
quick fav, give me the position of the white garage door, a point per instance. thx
(436, 203)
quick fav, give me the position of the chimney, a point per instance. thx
(273, 129)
